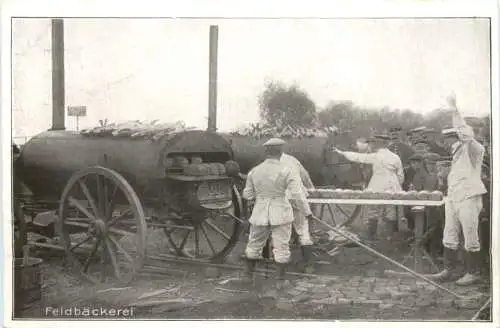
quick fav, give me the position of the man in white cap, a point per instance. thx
(271, 184)
(300, 223)
(464, 198)
(387, 177)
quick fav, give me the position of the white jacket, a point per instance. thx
(268, 184)
(387, 169)
(464, 179)
(297, 166)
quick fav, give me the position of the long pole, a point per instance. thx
(212, 79)
(58, 92)
(371, 250)
(485, 305)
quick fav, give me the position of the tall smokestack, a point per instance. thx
(58, 74)
(212, 82)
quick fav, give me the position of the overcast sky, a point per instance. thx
(124, 69)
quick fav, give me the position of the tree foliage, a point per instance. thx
(282, 105)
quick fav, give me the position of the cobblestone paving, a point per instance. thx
(365, 295)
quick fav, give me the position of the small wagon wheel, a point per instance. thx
(102, 225)
(353, 215)
(330, 213)
(210, 236)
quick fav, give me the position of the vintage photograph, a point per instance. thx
(230, 168)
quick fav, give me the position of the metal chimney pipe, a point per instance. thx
(212, 79)
(58, 92)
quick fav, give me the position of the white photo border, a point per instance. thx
(236, 9)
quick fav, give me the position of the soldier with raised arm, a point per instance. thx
(464, 198)
(271, 184)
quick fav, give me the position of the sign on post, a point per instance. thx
(77, 111)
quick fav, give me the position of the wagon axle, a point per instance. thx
(98, 228)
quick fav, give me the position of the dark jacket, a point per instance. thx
(403, 150)
(435, 148)
(424, 180)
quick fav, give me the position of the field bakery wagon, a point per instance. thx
(100, 190)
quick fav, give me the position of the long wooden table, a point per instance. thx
(418, 252)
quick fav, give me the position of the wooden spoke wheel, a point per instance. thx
(206, 236)
(102, 225)
(335, 215)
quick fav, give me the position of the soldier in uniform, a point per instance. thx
(422, 180)
(464, 198)
(421, 147)
(271, 185)
(432, 137)
(300, 224)
(399, 147)
(404, 151)
(416, 134)
(436, 214)
(387, 177)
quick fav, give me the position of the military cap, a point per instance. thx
(433, 157)
(363, 140)
(445, 159)
(416, 157)
(274, 142)
(395, 129)
(429, 131)
(383, 137)
(419, 129)
(420, 141)
(449, 131)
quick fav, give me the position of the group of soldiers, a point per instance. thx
(450, 160)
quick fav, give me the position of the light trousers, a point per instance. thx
(280, 238)
(462, 217)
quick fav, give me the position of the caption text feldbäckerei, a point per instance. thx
(90, 312)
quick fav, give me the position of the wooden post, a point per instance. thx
(58, 92)
(212, 79)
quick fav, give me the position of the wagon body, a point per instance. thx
(49, 159)
(325, 167)
(105, 192)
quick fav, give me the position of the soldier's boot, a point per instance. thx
(307, 255)
(392, 229)
(280, 275)
(249, 270)
(472, 275)
(371, 232)
(449, 258)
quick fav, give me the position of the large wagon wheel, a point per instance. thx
(210, 235)
(102, 225)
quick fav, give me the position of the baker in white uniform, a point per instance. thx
(387, 176)
(271, 184)
(464, 198)
(300, 223)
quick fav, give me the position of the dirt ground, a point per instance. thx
(357, 290)
(183, 292)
